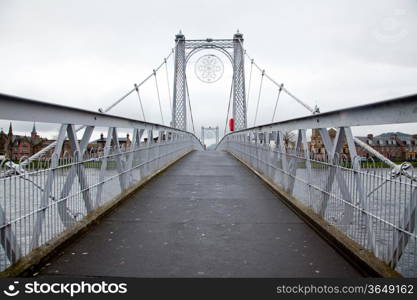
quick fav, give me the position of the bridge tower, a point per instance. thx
(179, 104)
(233, 49)
(214, 130)
(239, 94)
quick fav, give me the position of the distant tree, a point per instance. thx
(289, 139)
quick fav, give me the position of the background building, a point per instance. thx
(17, 146)
(396, 146)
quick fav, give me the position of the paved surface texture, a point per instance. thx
(206, 216)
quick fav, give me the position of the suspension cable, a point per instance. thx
(138, 85)
(159, 98)
(249, 85)
(276, 102)
(305, 105)
(117, 102)
(168, 86)
(228, 106)
(189, 103)
(312, 110)
(140, 101)
(259, 97)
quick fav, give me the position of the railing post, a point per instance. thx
(284, 163)
(8, 239)
(265, 141)
(119, 162)
(77, 169)
(160, 148)
(293, 162)
(400, 238)
(270, 156)
(79, 150)
(304, 142)
(103, 167)
(256, 154)
(276, 158)
(348, 214)
(131, 159)
(334, 172)
(40, 216)
(149, 153)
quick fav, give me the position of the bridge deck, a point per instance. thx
(207, 215)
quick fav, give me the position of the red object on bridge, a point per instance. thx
(232, 124)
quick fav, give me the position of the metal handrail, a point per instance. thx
(377, 113)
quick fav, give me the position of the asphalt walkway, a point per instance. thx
(206, 216)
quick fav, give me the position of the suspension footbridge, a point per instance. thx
(260, 205)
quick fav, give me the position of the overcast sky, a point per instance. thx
(87, 53)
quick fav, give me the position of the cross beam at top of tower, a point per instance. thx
(222, 43)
